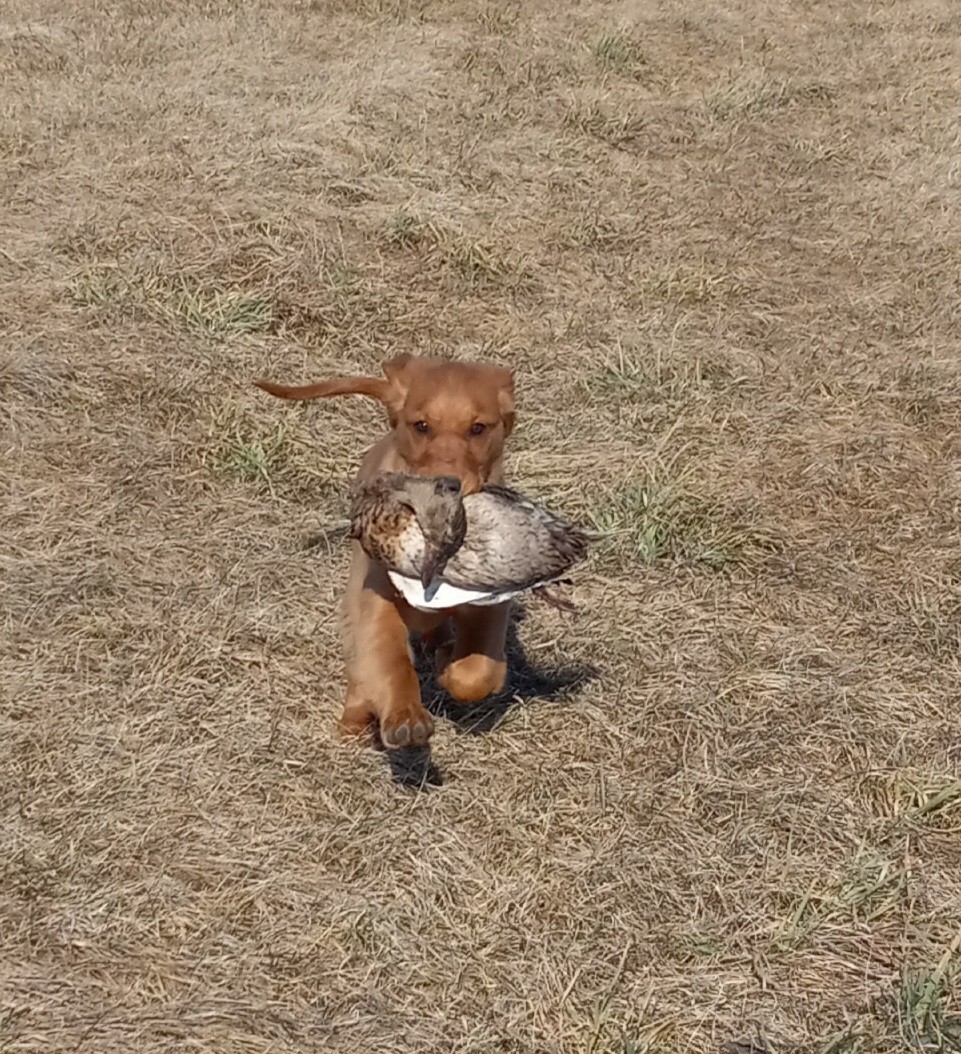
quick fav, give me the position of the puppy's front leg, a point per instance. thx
(474, 665)
(383, 693)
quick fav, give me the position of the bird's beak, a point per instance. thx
(434, 563)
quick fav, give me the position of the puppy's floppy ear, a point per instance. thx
(398, 371)
(395, 368)
(505, 398)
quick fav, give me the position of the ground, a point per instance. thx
(720, 245)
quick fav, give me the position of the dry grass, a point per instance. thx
(720, 246)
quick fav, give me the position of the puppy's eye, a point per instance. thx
(421, 427)
(477, 429)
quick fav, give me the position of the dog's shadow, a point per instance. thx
(526, 684)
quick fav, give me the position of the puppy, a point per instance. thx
(446, 419)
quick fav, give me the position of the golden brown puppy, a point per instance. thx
(446, 419)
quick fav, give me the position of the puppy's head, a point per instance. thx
(450, 418)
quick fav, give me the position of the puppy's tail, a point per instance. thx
(373, 387)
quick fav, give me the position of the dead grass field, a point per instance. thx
(721, 246)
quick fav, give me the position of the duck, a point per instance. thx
(443, 549)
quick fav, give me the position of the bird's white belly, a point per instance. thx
(443, 595)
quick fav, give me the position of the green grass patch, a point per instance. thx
(754, 96)
(600, 120)
(618, 52)
(922, 797)
(685, 284)
(240, 452)
(98, 287)
(924, 1020)
(469, 259)
(626, 378)
(499, 19)
(407, 230)
(869, 888)
(653, 519)
(622, 378)
(198, 304)
(219, 313)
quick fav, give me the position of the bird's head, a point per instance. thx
(438, 506)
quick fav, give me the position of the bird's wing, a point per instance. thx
(513, 543)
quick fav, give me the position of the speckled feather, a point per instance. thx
(386, 528)
(511, 544)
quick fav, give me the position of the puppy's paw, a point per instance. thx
(411, 727)
(472, 677)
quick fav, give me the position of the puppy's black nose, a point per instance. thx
(448, 485)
